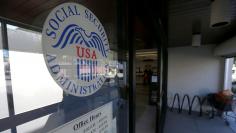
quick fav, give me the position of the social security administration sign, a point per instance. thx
(75, 48)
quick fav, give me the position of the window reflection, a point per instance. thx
(32, 84)
(3, 94)
(34, 126)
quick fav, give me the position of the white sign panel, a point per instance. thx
(96, 121)
(75, 48)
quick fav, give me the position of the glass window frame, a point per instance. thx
(40, 112)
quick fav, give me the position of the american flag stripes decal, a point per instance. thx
(87, 70)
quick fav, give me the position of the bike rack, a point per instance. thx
(199, 102)
(190, 105)
(176, 96)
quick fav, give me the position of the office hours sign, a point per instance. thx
(96, 121)
(75, 48)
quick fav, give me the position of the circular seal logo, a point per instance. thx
(75, 48)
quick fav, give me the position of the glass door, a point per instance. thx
(36, 99)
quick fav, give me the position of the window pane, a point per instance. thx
(34, 126)
(33, 87)
(32, 84)
(3, 94)
(6, 131)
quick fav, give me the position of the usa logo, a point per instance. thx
(75, 48)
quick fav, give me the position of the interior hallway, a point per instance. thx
(145, 114)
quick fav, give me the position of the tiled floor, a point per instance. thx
(184, 123)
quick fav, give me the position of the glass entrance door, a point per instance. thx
(32, 101)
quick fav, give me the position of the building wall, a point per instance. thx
(194, 71)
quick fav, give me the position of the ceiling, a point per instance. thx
(34, 12)
(183, 14)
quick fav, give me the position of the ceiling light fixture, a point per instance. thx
(196, 39)
(220, 13)
(196, 33)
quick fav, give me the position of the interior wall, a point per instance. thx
(194, 71)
